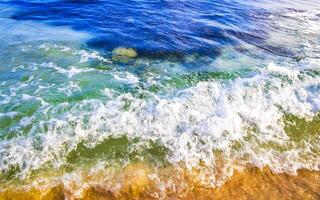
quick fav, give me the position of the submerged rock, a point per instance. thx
(124, 52)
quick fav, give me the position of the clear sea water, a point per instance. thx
(212, 79)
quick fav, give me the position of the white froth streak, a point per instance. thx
(126, 77)
(191, 123)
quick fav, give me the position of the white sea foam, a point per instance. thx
(192, 123)
(109, 92)
(126, 77)
(61, 48)
(70, 71)
(85, 56)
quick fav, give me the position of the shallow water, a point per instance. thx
(213, 86)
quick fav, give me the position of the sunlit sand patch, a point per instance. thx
(142, 181)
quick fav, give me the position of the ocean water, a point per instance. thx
(92, 87)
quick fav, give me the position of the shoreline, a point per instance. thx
(251, 183)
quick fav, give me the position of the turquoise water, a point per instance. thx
(236, 77)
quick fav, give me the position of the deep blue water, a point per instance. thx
(155, 28)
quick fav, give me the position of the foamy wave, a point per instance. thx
(126, 77)
(192, 123)
(71, 71)
(85, 56)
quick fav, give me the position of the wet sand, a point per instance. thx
(252, 183)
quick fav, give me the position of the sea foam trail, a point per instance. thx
(192, 123)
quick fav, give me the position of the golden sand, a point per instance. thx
(251, 183)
